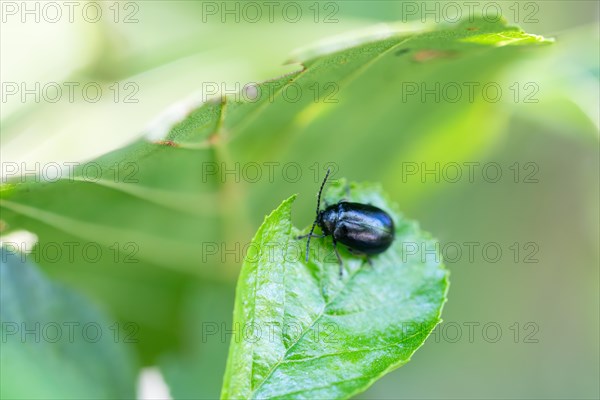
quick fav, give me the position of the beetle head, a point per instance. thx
(326, 220)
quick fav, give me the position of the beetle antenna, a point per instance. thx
(308, 241)
(318, 209)
(321, 190)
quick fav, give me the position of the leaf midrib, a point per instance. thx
(367, 377)
(305, 331)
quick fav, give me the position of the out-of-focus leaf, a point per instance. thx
(55, 343)
(310, 334)
(188, 196)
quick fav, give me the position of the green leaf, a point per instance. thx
(164, 196)
(306, 333)
(55, 343)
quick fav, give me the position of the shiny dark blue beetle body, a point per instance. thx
(363, 228)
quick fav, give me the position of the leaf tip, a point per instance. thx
(283, 210)
(287, 203)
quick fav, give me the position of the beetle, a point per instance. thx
(363, 228)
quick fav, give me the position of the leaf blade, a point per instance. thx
(189, 204)
(48, 349)
(342, 335)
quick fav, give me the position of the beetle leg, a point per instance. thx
(338, 257)
(358, 253)
(307, 235)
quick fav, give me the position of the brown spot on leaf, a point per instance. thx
(213, 139)
(167, 143)
(472, 28)
(428, 55)
(3, 226)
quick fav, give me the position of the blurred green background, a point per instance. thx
(170, 52)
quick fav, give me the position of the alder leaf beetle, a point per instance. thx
(363, 228)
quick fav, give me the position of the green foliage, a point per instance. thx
(155, 203)
(55, 343)
(310, 334)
